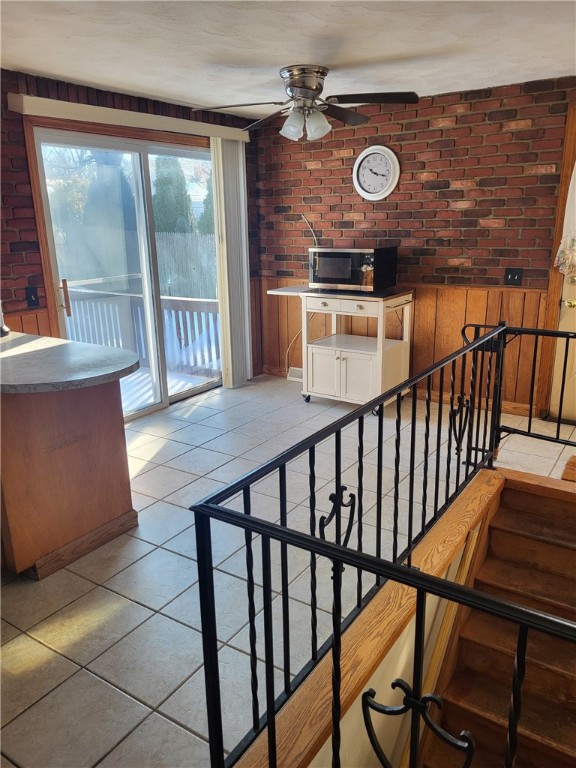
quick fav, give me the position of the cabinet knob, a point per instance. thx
(359, 306)
(323, 303)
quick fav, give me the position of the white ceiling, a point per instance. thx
(206, 54)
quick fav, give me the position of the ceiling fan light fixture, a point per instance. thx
(293, 127)
(316, 125)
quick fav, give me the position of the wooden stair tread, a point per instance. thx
(501, 636)
(527, 585)
(542, 721)
(562, 533)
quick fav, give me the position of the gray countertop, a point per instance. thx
(44, 364)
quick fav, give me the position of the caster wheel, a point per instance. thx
(306, 398)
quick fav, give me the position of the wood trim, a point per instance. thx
(31, 122)
(62, 109)
(556, 281)
(550, 487)
(51, 563)
(41, 228)
(304, 724)
(118, 131)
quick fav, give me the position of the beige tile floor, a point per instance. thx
(102, 661)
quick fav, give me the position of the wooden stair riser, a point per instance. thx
(497, 665)
(441, 755)
(542, 555)
(547, 606)
(531, 561)
(490, 738)
(549, 509)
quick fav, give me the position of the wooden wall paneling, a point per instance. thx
(30, 324)
(450, 318)
(476, 312)
(494, 308)
(513, 314)
(319, 325)
(256, 325)
(283, 336)
(359, 326)
(270, 347)
(476, 308)
(526, 349)
(424, 328)
(395, 319)
(295, 331)
(36, 322)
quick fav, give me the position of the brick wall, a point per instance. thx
(478, 188)
(21, 263)
(477, 192)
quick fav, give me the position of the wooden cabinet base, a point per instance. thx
(65, 481)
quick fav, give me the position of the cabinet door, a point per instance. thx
(323, 374)
(358, 381)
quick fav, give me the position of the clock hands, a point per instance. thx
(378, 174)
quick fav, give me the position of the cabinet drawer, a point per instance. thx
(359, 307)
(323, 303)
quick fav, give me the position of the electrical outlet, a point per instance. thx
(32, 296)
(513, 276)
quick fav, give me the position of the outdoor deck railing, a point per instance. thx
(191, 327)
(374, 482)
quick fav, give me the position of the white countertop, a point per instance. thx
(304, 290)
(44, 364)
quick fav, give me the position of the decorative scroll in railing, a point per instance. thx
(375, 481)
(262, 536)
(347, 506)
(191, 328)
(555, 427)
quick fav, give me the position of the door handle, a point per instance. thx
(569, 303)
(66, 297)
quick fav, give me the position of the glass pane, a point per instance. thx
(185, 244)
(96, 211)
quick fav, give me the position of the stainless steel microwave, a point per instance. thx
(353, 269)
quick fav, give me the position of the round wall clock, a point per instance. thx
(376, 173)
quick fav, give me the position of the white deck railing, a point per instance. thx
(191, 327)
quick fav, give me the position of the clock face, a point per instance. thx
(376, 173)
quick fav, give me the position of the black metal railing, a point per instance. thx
(526, 619)
(324, 524)
(556, 426)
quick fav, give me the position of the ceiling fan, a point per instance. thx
(304, 83)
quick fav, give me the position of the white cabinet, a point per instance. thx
(351, 367)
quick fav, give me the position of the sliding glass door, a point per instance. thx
(183, 214)
(133, 256)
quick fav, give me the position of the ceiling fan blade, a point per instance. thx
(264, 121)
(252, 104)
(348, 116)
(400, 97)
